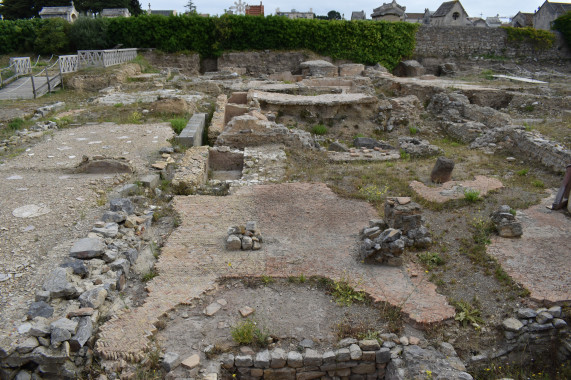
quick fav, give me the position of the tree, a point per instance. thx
(333, 15)
(15, 9)
(191, 7)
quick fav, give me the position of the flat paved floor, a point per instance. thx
(540, 259)
(307, 229)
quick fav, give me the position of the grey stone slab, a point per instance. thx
(171, 360)
(191, 135)
(57, 284)
(40, 309)
(83, 333)
(87, 248)
(151, 181)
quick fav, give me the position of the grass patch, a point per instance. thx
(319, 129)
(178, 124)
(538, 183)
(135, 118)
(487, 74)
(297, 279)
(247, 332)
(344, 293)
(471, 195)
(373, 193)
(266, 280)
(404, 155)
(522, 172)
(149, 275)
(413, 130)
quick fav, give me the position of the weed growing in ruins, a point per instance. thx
(430, 259)
(248, 332)
(373, 193)
(529, 108)
(135, 118)
(319, 129)
(297, 279)
(487, 74)
(344, 294)
(149, 275)
(471, 195)
(404, 155)
(16, 124)
(538, 183)
(522, 172)
(178, 125)
(266, 280)
(118, 105)
(466, 313)
(413, 130)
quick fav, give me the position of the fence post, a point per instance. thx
(48, 80)
(60, 74)
(33, 85)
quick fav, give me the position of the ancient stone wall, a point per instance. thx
(454, 41)
(262, 62)
(535, 146)
(188, 64)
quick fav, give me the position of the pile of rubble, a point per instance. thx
(244, 238)
(384, 240)
(506, 223)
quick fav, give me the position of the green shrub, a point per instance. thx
(487, 74)
(404, 155)
(540, 39)
(522, 172)
(178, 125)
(248, 332)
(372, 193)
(430, 259)
(563, 25)
(319, 129)
(16, 124)
(471, 195)
(89, 34)
(52, 37)
(413, 130)
(344, 294)
(466, 313)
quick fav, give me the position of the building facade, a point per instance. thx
(547, 13)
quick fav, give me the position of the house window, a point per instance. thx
(455, 15)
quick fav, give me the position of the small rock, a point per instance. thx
(247, 243)
(512, 324)
(246, 311)
(40, 309)
(543, 317)
(87, 248)
(233, 243)
(171, 360)
(93, 298)
(212, 309)
(306, 343)
(191, 362)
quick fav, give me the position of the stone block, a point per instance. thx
(355, 352)
(278, 358)
(93, 298)
(442, 171)
(351, 69)
(171, 360)
(310, 375)
(40, 309)
(151, 181)
(383, 355)
(191, 362)
(82, 335)
(364, 368)
(312, 358)
(279, 374)
(87, 248)
(262, 359)
(294, 359)
(410, 68)
(57, 283)
(191, 135)
(243, 361)
(122, 204)
(318, 68)
(343, 355)
(369, 345)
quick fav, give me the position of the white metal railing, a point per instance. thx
(21, 65)
(105, 58)
(68, 63)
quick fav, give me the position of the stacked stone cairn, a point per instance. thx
(244, 238)
(59, 328)
(506, 223)
(384, 240)
(535, 332)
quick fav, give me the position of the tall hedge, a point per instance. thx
(366, 42)
(563, 24)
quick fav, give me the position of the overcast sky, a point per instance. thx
(505, 8)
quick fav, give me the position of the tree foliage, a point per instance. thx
(563, 25)
(365, 42)
(540, 39)
(333, 15)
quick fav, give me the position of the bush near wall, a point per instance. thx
(563, 24)
(540, 39)
(367, 42)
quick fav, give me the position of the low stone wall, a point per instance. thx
(454, 41)
(363, 359)
(537, 332)
(188, 64)
(218, 118)
(538, 148)
(263, 62)
(191, 135)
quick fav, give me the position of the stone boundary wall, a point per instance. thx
(365, 360)
(454, 41)
(538, 332)
(262, 62)
(188, 64)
